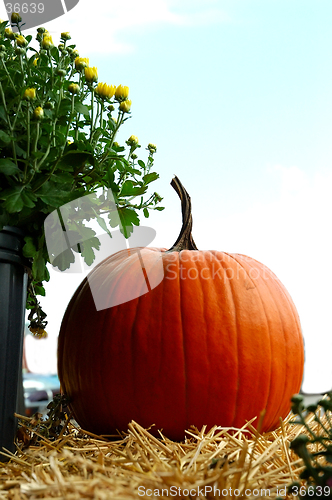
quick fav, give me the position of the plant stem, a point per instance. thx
(28, 133)
(92, 112)
(8, 75)
(34, 150)
(185, 240)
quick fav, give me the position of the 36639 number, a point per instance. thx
(311, 491)
(25, 8)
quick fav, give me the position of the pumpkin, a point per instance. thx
(215, 343)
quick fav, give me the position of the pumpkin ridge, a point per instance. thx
(205, 306)
(289, 301)
(133, 334)
(101, 373)
(229, 284)
(258, 288)
(240, 263)
(279, 412)
(276, 282)
(183, 343)
(204, 314)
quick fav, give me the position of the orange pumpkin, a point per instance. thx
(215, 343)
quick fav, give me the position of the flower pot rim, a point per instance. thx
(13, 254)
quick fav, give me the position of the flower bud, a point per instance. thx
(20, 51)
(35, 61)
(9, 34)
(152, 148)
(74, 88)
(133, 156)
(132, 141)
(81, 63)
(110, 108)
(21, 41)
(47, 42)
(125, 106)
(121, 93)
(15, 18)
(41, 30)
(65, 35)
(61, 72)
(38, 113)
(29, 94)
(2, 48)
(49, 105)
(61, 46)
(91, 74)
(74, 53)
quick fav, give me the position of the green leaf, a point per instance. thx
(52, 194)
(81, 108)
(4, 137)
(146, 212)
(2, 113)
(8, 167)
(128, 217)
(152, 176)
(20, 151)
(141, 163)
(75, 158)
(87, 250)
(128, 189)
(28, 199)
(13, 199)
(40, 290)
(102, 223)
(39, 266)
(64, 260)
(55, 54)
(65, 107)
(159, 208)
(29, 249)
(62, 177)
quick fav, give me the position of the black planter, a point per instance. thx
(13, 290)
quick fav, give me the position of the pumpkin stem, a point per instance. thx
(185, 240)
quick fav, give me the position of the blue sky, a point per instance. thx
(237, 96)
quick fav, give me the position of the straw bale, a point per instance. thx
(78, 464)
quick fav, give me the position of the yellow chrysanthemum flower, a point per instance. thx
(21, 41)
(29, 94)
(125, 106)
(38, 113)
(38, 332)
(74, 88)
(91, 74)
(105, 91)
(121, 93)
(47, 42)
(81, 63)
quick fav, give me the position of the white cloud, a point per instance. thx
(106, 27)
